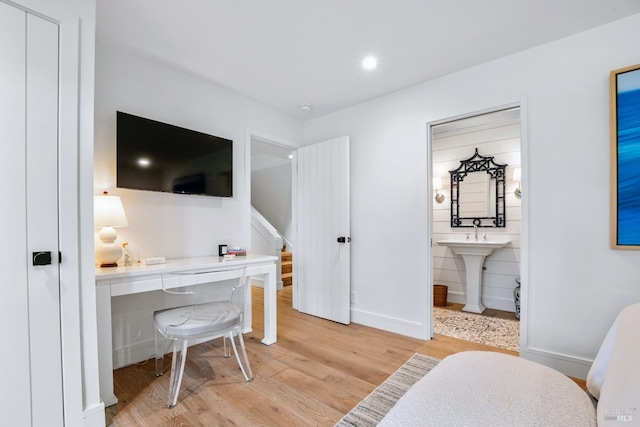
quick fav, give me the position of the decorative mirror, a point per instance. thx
(477, 193)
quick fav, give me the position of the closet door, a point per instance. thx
(30, 305)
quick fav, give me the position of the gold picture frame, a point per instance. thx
(625, 157)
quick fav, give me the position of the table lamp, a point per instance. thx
(108, 213)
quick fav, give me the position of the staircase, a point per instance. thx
(287, 268)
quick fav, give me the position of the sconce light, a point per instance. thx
(108, 213)
(517, 176)
(437, 185)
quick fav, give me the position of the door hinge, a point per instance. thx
(59, 257)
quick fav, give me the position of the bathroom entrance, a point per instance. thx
(477, 206)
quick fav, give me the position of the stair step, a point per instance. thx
(287, 268)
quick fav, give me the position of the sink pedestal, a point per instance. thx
(473, 264)
(473, 253)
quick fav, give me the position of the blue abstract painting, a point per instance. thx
(628, 157)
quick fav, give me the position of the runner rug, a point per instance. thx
(503, 333)
(374, 407)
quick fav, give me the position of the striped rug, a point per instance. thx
(374, 407)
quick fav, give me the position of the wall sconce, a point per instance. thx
(108, 213)
(517, 176)
(437, 185)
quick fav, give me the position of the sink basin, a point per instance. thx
(471, 246)
(473, 253)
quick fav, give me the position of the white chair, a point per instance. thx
(200, 322)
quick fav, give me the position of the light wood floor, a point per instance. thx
(316, 372)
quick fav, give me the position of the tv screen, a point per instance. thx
(156, 156)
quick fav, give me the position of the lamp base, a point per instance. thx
(107, 252)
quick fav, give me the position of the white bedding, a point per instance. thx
(478, 388)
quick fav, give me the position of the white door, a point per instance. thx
(323, 248)
(31, 387)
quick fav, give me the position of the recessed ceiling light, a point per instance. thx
(369, 63)
(305, 107)
(144, 162)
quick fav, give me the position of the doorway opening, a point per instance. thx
(494, 319)
(272, 188)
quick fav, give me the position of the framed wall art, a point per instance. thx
(625, 158)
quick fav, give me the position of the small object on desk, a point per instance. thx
(127, 255)
(228, 256)
(155, 260)
(237, 251)
(222, 250)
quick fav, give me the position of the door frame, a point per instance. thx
(289, 145)
(524, 207)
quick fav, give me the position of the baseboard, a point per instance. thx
(94, 416)
(502, 304)
(134, 353)
(391, 324)
(146, 350)
(571, 366)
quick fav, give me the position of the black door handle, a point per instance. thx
(41, 258)
(344, 239)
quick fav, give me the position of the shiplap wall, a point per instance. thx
(499, 138)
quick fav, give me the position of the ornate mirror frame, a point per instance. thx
(478, 163)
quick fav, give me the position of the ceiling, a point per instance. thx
(284, 53)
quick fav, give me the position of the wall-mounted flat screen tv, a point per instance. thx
(156, 156)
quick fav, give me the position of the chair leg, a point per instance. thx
(244, 367)
(159, 353)
(177, 370)
(226, 347)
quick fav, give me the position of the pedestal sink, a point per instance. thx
(473, 253)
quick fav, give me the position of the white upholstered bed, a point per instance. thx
(478, 388)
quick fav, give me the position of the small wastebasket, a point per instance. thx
(440, 295)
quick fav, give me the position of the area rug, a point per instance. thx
(374, 407)
(503, 333)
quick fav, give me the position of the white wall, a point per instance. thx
(500, 139)
(173, 225)
(575, 284)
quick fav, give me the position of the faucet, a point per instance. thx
(475, 229)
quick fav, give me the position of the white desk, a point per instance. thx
(119, 281)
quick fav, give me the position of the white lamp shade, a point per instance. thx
(108, 212)
(517, 174)
(437, 183)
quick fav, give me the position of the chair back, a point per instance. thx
(190, 282)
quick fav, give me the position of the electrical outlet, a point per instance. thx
(353, 297)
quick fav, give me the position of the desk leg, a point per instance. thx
(270, 308)
(105, 346)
